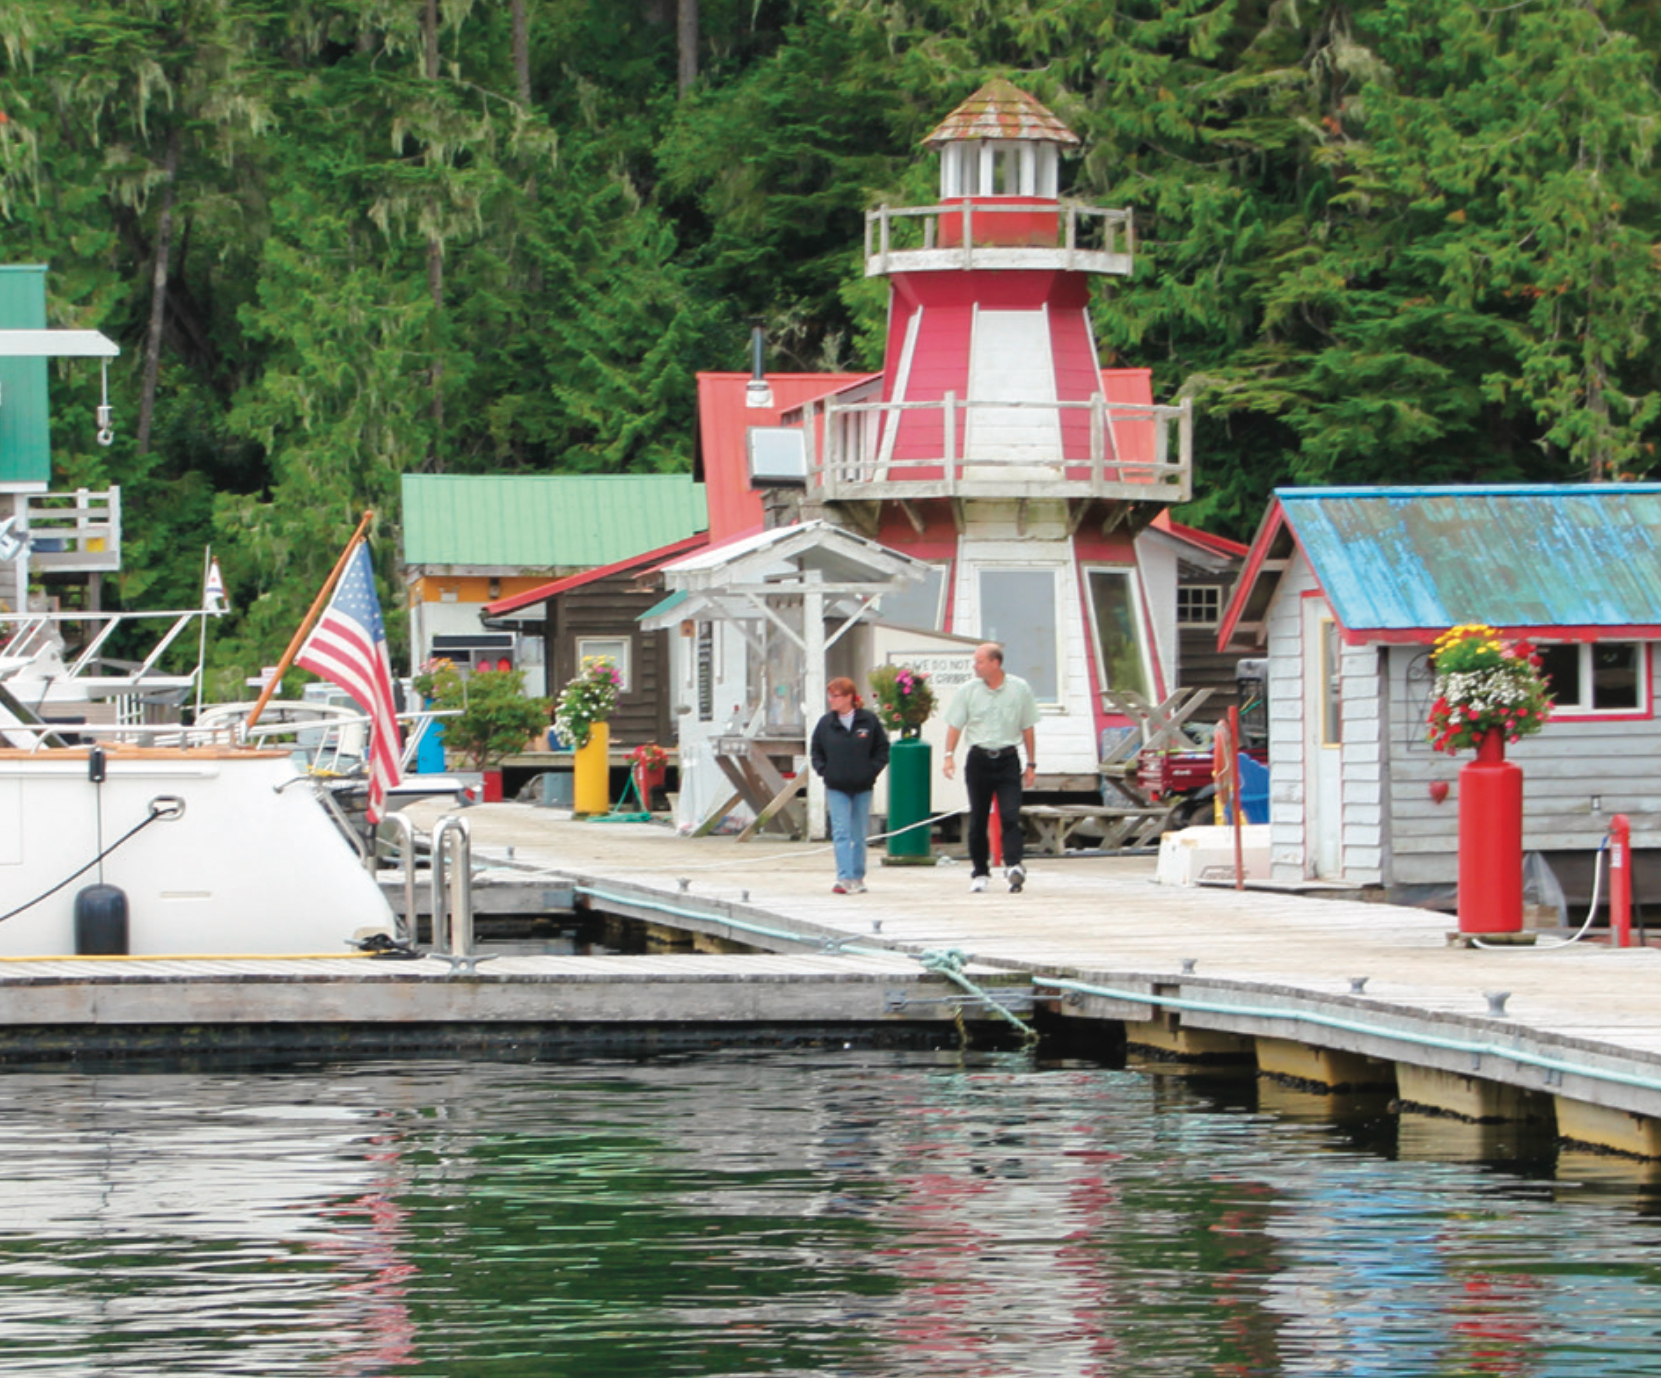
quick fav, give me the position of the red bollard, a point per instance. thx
(1620, 881)
(1491, 841)
(995, 834)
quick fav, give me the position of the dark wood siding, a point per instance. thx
(610, 607)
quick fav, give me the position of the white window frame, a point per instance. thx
(1057, 604)
(588, 646)
(1584, 709)
(1209, 597)
(1138, 602)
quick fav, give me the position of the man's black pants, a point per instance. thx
(986, 777)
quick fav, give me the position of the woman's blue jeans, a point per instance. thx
(850, 819)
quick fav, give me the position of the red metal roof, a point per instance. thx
(723, 419)
(1218, 545)
(1000, 110)
(543, 592)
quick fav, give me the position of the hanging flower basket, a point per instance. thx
(588, 699)
(1485, 684)
(905, 700)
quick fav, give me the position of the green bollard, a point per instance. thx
(909, 767)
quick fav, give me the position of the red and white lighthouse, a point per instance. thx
(995, 446)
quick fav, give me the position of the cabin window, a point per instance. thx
(1601, 677)
(1018, 610)
(921, 603)
(1120, 634)
(1199, 605)
(612, 648)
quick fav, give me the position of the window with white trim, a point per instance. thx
(612, 648)
(1199, 605)
(1119, 632)
(1596, 677)
(1018, 610)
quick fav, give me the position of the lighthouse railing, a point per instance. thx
(952, 445)
(982, 232)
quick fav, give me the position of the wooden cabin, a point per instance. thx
(1345, 589)
(475, 540)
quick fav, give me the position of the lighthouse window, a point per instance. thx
(917, 604)
(1018, 610)
(1121, 644)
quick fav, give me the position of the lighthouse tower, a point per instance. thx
(995, 446)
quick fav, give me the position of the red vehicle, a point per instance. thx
(1162, 773)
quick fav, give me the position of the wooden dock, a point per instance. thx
(1330, 992)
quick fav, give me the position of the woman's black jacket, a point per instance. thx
(850, 758)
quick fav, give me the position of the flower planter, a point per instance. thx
(591, 769)
(909, 768)
(1491, 840)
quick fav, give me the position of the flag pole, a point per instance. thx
(311, 616)
(202, 640)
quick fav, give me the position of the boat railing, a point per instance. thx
(452, 887)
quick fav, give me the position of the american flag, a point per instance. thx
(348, 648)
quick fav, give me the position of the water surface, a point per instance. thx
(848, 1213)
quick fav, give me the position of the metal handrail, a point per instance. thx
(404, 925)
(456, 935)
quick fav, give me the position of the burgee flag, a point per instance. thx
(213, 589)
(348, 648)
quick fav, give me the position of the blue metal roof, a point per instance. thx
(1521, 556)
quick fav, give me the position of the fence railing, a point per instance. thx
(991, 234)
(953, 446)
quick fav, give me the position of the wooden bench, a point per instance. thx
(1122, 826)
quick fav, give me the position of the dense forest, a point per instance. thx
(341, 240)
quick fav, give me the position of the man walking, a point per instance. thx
(997, 712)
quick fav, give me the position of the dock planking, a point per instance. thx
(1582, 1020)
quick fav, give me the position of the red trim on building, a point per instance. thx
(543, 592)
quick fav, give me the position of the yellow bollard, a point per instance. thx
(591, 772)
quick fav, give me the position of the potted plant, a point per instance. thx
(905, 701)
(583, 717)
(488, 715)
(1489, 691)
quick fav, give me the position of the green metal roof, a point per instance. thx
(25, 430)
(546, 521)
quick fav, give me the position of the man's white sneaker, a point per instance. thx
(1017, 878)
(977, 885)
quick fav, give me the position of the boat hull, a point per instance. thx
(229, 852)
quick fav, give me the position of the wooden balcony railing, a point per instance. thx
(955, 448)
(982, 233)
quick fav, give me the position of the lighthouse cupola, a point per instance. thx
(1000, 143)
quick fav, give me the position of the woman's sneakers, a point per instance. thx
(848, 887)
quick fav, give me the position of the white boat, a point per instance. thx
(217, 850)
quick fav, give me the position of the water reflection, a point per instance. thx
(796, 1214)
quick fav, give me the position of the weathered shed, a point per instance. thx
(596, 614)
(1345, 589)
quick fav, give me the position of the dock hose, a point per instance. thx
(163, 808)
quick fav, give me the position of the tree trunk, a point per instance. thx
(158, 292)
(686, 34)
(435, 257)
(521, 52)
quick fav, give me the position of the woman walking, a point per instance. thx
(849, 750)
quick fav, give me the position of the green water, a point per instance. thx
(828, 1213)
